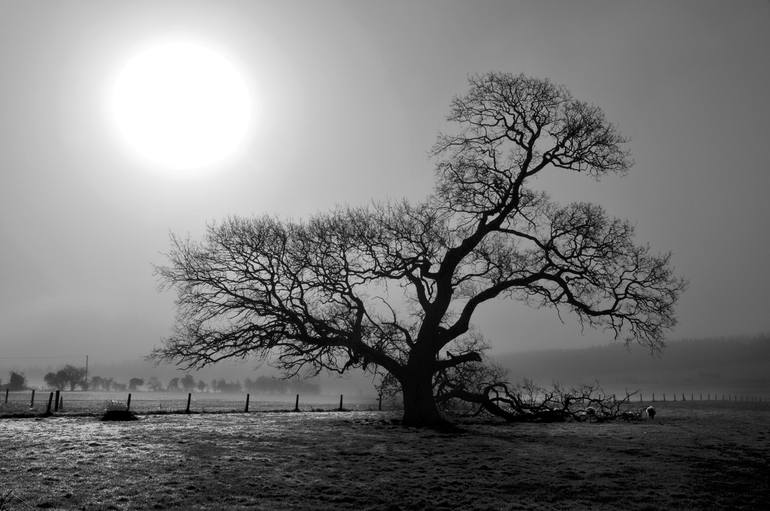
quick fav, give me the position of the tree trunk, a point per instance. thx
(419, 404)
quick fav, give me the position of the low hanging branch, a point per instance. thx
(527, 402)
(481, 388)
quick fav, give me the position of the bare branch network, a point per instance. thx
(395, 285)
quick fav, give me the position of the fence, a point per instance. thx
(78, 402)
(703, 396)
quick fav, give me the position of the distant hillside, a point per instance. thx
(724, 365)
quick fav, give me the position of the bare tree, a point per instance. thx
(68, 375)
(17, 381)
(135, 383)
(394, 286)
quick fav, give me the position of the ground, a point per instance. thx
(692, 456)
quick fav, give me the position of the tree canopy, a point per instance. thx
(68, 375)
(395, 285)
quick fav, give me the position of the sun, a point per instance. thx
(181, 105)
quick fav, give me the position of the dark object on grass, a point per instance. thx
(650, 412)
(119, 415)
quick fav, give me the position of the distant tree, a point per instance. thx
(118, 387)
(173, 385)
(68, 375)
(74, 376)
(17, 381)
(105, 384)
(304, 387)
(52, 380)
(267, 385)
(224, 386)
(100, 383)
(202, 386)
(154, 384)
(273, 385)
(396, 285)
(96, 383)
(134, 383)
(188, 383)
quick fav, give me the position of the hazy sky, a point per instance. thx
(348, 98)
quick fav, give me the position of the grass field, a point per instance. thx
(692, 456)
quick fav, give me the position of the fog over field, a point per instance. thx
(724, 365)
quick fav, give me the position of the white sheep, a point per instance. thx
(650, 412)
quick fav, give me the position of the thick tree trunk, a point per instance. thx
(419, 404)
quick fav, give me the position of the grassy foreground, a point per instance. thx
(693, 456)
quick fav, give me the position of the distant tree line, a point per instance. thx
(272, 385)
(71, 377)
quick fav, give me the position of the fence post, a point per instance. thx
(379, 402)
(296, 404)
(683, 399)
(6, 395)
(246, 410)
(653, 397)
(61, 403)
(664, 396)
(340, 402)
(691, 397)
(50, 399)
(56, 403)
(32, 400)
(128, 403)
(189, 397)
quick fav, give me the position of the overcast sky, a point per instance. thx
(348, 98)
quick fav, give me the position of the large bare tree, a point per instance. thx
(394, 286)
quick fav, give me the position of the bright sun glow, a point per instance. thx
(181, 105)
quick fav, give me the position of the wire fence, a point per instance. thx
(702, 396)
(34, 402)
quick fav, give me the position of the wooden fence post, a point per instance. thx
(340, 402)
(683, 399)
(128, 403)
(664, 397)
(32, 400)
(379, 402)
(246, 410)
(296, 404)
(6, 395)
(189, 397)
(56, 403)
(48, 408)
